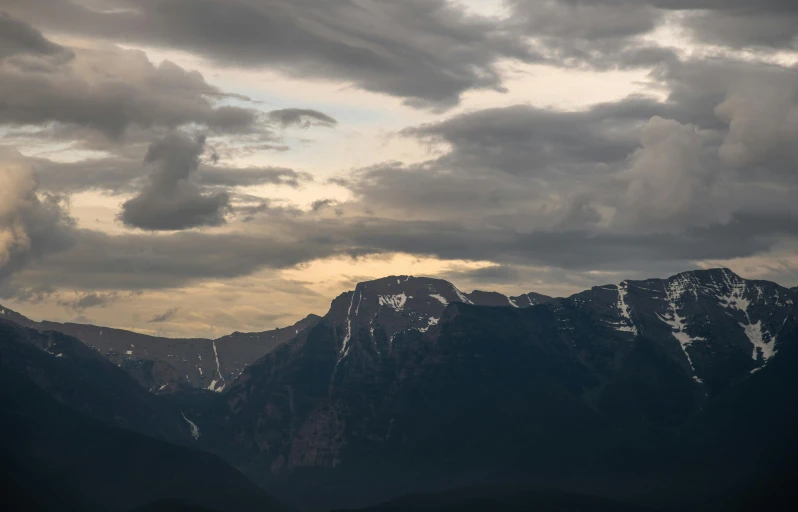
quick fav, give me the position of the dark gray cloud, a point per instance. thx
(171, 199)
(596, 34)
(527, 140)
(493, 274)
(301, 118)
(106, 89)
(250, 176)
(735, 23)
(18, 38)
(426, 51)
(278, 241)
(122, 175)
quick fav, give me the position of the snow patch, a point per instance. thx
(461, 295)
(755, 332)
(439, 298)
(512, 303)
(396, 302)
(430, 322)
(195, 431)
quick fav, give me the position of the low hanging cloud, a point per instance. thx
(31, 226)
(84, 301)
(119, 175)
(171, 199)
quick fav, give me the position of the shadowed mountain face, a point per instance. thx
(79, 377)
(503, 499)
(667, 393)
(166, 365)
(404, 381)
(57, 459)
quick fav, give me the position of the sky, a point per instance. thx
(197, 167)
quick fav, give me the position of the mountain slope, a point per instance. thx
(167, 365)
(82, 379)
(406, 386)
(61, 460)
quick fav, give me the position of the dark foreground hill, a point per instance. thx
(502, 499)
(54, 458)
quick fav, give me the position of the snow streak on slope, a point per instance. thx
(461, 295)
(348, 336)
(674, 291)
(626, 324)
(195, 431)
(439, 298)
(213, 386)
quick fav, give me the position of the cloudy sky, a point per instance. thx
(196, 167)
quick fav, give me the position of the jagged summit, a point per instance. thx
(377, 311)
(715, 315)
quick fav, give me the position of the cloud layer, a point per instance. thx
(700, 171)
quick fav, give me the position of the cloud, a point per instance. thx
(89, 300)
(251, 176)
(18, 38)
(31, 226)
(595, 34)
(106, 89)
(163, 317)
(301, 118)
(171, 199)
(493, 274)
(119, 175)
(427, 52)
(669, 186)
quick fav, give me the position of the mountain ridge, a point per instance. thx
(169, 365)
(641, 358)
(409, 385)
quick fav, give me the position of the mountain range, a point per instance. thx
(660, 394)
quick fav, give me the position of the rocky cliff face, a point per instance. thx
(405, 376)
